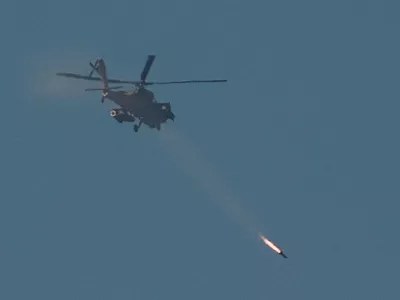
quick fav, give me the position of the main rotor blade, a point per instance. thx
(147, 66)
(186, 81)
(77, 76)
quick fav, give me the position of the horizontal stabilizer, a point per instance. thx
(104, 89)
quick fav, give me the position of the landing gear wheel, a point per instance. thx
(136, 126)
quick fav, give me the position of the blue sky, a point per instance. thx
(301, 141)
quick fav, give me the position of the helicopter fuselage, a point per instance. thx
(142, 105)
(134, 101)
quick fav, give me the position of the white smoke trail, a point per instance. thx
(39, 73)
(207, 177)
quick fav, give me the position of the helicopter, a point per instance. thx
(137, 104)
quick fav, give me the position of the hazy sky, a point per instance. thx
(301, 144)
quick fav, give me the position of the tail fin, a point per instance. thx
(100, 68)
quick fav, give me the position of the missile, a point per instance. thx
(272, 245)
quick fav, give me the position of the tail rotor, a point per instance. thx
(94, 67)
(99, 67)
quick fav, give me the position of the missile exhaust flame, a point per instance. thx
(272, 245)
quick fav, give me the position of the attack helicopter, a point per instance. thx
(137, 104)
